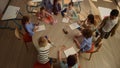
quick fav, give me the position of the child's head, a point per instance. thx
(56, 1)
(42, 9)
(42, 41)
(70, 5)
(25, 19)
(114, 13)
(71, 60)
(90, 18)
(87, 33)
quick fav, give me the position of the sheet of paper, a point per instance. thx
(74, 26)
(36, 0)
(40, 28)
(70, 51)
(104, 12)
(65, 20)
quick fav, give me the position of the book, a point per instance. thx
(65, 20)
(70, 51)
(74, 26)
(40, 28)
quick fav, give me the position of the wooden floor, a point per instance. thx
(13, 53)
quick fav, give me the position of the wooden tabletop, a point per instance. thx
(57, 36)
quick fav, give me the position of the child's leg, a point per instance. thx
(51, 20)
(46, 20)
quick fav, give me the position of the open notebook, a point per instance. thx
(70, 51)
(40, 28)
(74, 26)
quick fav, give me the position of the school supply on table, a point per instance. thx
(74, 26)
(40, 28)
(70, 51)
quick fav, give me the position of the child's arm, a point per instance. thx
(60, 53)
(38, 16)
(63, 11)
(75, 16)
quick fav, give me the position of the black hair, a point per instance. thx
(114, 12)
(91, 18)
(71, 60)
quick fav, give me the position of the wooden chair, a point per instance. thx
(39, 65)
(93, 50)
(25, 37)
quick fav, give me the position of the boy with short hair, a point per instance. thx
(72, 61)
(108, 25)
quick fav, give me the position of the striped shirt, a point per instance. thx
(43, 53)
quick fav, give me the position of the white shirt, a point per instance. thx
(43, 53)
(109, 24)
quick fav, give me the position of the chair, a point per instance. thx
(93, 50)
(25, 37)
(39, 65)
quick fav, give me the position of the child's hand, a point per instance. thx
(36, 28)
(62, 48)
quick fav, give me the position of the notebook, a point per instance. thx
(74, 26)
(40, 28)
(65, 20)
(70, 51)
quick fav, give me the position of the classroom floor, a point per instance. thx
(13, 52)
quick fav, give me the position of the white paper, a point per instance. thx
(40, 28)
(74, 26)
(36, 0)
(70, 51)
(65, 20)
(104, 12)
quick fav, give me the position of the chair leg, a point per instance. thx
(90, 56)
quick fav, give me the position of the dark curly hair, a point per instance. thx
(87, 33)
(71, 60)
(114, 12)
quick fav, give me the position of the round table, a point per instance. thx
(57, 36)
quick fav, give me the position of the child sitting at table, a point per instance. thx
(69, 12)
(56, 7)
(90, 22)
(72, 60)
(44, 16)
(86, 43)
(28, 26)
(43, 50)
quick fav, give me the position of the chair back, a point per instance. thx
(93, 50)
(39, 65)
(17, 33)
(27, 37)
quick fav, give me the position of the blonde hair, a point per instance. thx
(42, 41)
